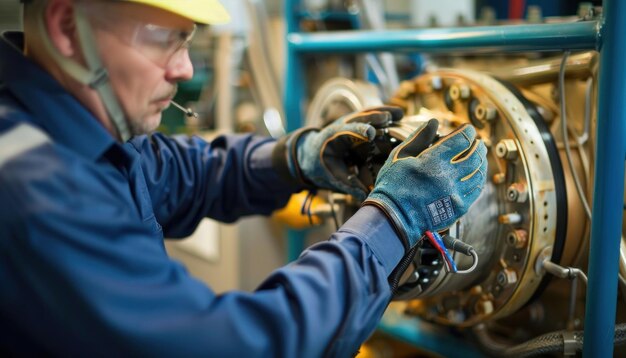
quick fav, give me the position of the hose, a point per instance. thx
(564, 342)
(553, 342)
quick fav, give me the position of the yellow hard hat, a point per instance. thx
(209, 12)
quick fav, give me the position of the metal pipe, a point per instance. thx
(293, 99)
(579, 66)
(568, 153)
(608, 186)
(569, 273)
(293, 92)
(571, 315)
(581, 35)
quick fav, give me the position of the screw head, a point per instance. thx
(485, 112)
(506, 277)
(506, 149)
(459, 91)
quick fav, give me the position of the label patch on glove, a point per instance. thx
(441, 210)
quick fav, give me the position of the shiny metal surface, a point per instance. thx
(340, 96)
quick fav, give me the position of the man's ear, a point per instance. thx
(61, 26)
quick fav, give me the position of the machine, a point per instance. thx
(531, 225)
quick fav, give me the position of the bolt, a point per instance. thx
(517, 238)
(499, 178)
(506, 277)
(506, 149)
(484, 306)
(517, 193)
(485, 112)
(501, 278)
(436, 83)
(510, 218)
(459, 91)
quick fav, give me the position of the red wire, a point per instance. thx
(434, 242)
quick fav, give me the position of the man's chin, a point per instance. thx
(146, 125)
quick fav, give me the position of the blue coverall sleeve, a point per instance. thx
(98, 281)
(224, 179)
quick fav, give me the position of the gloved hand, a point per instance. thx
(422, 187)
(317, 158)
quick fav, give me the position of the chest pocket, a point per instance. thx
(141, 196)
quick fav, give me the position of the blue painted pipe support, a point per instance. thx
(293, 93)
(426, 336)
(293, 97)
(537, 37)
(296, 243)
(606, 222)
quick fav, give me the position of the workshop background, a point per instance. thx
(525, 73)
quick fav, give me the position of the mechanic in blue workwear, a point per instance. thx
(87, 196)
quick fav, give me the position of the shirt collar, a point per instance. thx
(52, 108)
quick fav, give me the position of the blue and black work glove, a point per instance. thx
(321, 158)
(428, 187)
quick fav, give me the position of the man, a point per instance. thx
(86, 198)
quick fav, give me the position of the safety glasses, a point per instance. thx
(161, 44)
(157, 43)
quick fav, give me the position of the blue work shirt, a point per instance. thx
(83, 268)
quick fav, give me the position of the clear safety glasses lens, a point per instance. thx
(161, 44)
(157, 43)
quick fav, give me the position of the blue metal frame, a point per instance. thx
(607, 37)
(538, 37)
(606, 222)
(430, 337)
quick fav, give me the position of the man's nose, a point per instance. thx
(179, 67)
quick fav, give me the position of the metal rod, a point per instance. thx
(608, 186)
(571, 324)
(293, 99)
(569, 273)
(579, 66)
(582, 35)
(293, 92)
(296, 243)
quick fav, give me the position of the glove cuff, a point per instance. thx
(410, 250)
(393, 219)
(284, 158)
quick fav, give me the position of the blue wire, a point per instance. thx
(445, 251)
